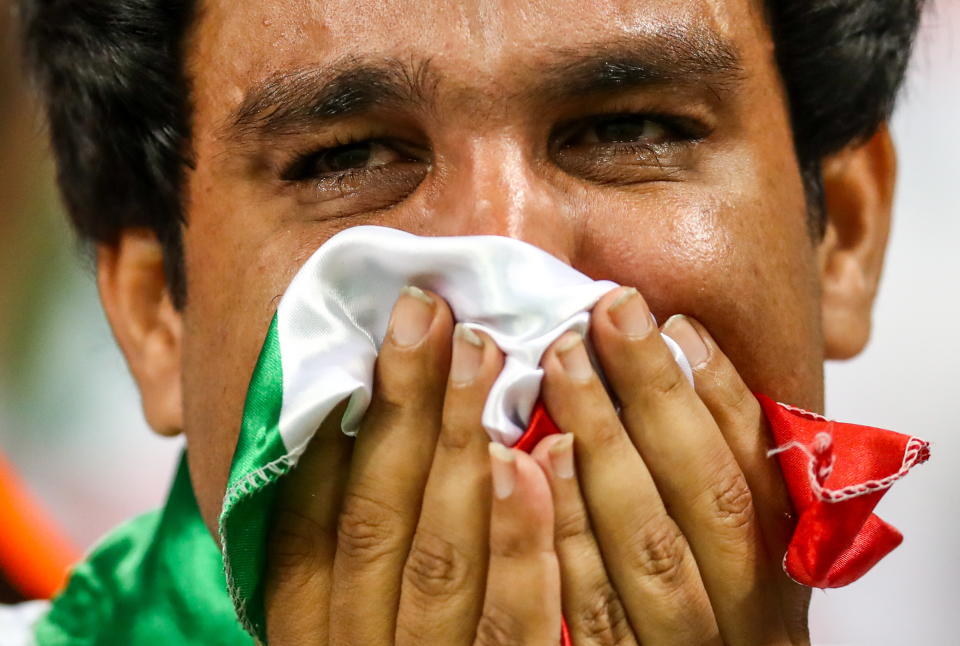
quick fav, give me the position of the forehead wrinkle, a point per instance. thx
(291, 99)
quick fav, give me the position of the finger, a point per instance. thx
(591, 606)
(391, 461)
(445, 572)
(646, 556)
(302, 541)
(522, 600)
(694, 469)
(738, 414)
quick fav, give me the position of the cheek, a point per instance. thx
(237, 265)
(743, 266)
(241, 251)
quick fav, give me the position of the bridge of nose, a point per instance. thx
(493, 185)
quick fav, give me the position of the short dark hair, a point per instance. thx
(111, 73)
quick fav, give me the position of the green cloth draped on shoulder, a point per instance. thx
(157, 579)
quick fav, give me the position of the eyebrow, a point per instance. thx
(287, 102)
(675, 55)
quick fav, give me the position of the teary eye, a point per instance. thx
(621, 129)
(360, 155)
(627, 148)
(347, 157)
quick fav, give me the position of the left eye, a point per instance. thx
(625, 129)
(340, 159)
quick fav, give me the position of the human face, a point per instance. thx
(646, 142)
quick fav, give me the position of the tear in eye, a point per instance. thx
(346, 157)
(627, 129)
(361, 155)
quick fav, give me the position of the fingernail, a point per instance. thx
(630, 313)
(467, 355)
(679, 329)
(573, 356)
(561, 456)
(503, 467)
(411, 316)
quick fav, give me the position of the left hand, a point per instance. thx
(671, 526)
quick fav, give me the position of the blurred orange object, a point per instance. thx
(34, 555)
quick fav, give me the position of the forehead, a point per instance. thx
(491, 46)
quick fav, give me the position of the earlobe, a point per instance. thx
(137, 301)
(858, 190)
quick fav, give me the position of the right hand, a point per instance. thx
(397, 537)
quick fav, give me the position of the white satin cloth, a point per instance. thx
(333, 317)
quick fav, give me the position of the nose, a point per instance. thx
(495, 186)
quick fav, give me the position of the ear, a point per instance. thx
(858, 189)
(135, 296)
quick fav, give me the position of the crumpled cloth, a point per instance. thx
(322, 345)
(836, 474)
(335, 312)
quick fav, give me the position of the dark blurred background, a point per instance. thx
(71, 427)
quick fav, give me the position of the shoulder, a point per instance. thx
(102, 587)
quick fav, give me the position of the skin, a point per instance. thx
(708, 220)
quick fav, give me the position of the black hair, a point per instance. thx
(111, 73)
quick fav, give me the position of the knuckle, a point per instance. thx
(454, 435)
(664, 379)
(659, 551)
(572, 525)
(603, 434)
(606, 436)
(388, 404)
(603, 620)
(366, 529)
(402, 380)
(498, 627)
(732, 502)
(741, 402)
(296, 543)
(434, 567)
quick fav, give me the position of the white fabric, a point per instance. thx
(334, 315)
(16, 622)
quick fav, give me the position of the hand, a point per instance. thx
(671, 526)
(395, 538)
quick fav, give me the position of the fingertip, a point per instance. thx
(547, 448)
(520, 487)
(532, 487)
(443, 317)
(492, 354)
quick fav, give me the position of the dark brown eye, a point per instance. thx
(346, 157)
(361, 155)
(627, 148)
(624, 129)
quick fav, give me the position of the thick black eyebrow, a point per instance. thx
(288, 102)
(675, 55)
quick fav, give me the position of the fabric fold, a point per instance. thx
(836, 473)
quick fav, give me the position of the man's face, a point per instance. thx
(642, 141)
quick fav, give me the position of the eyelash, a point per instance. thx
(683, 130)
(296, 171)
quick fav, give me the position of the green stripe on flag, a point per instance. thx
(259, 461)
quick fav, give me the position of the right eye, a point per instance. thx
(356, 177)
(346, 158)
